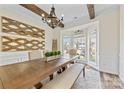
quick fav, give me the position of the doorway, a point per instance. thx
(86, 43)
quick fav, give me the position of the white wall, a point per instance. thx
(56, 35)
(13, 57)
(108, 40)
(21, 14)
(121, 70)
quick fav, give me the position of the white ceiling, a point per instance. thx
(71, 11)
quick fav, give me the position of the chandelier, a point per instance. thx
(52, 19)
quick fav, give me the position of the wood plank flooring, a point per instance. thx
(110, 81)
(91, 80)
(98, 80)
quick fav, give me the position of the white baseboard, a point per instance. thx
(122, 78)
(108, 72)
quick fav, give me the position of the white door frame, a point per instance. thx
(71, 30)
(96, 64)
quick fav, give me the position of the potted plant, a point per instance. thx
(52, 55)
(58, 54)
(47, 54)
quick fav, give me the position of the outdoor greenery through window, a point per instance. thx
(78, 43)
(92, 46)
(85, 45)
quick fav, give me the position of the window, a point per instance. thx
(67, 43)
(80, 45)
(92, 46)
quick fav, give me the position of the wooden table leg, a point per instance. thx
(59, 71)
(72, 62)
(38, 85)
(51, 76)
(64, 68)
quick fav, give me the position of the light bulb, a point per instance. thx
(62, 15)
(42, 15)
(49, 21)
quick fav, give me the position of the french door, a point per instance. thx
(92, 48)
(81, 46)
(86, 45)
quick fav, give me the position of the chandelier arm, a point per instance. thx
(51, 19)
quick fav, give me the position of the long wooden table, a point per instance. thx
(27, 74)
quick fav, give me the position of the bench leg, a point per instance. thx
(84, 71)
(38, 85)
(51, 76)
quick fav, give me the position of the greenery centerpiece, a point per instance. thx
(52, 55)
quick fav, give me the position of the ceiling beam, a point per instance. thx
(35, 9)
(91, 11)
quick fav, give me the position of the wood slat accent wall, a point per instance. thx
(17, 36)
(54, 45)
(15, 44)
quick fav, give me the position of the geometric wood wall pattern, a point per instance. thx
(13, 27)
(19, 44)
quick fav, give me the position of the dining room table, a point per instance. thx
(26, 74)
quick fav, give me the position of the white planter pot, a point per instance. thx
(58, 56)
(52, 58)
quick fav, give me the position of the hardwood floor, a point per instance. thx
(98, 80)
(91, 80)
(110, 81)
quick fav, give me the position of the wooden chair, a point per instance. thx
(35, 54)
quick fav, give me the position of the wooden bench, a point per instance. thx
(66, 79)
(1, 85)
